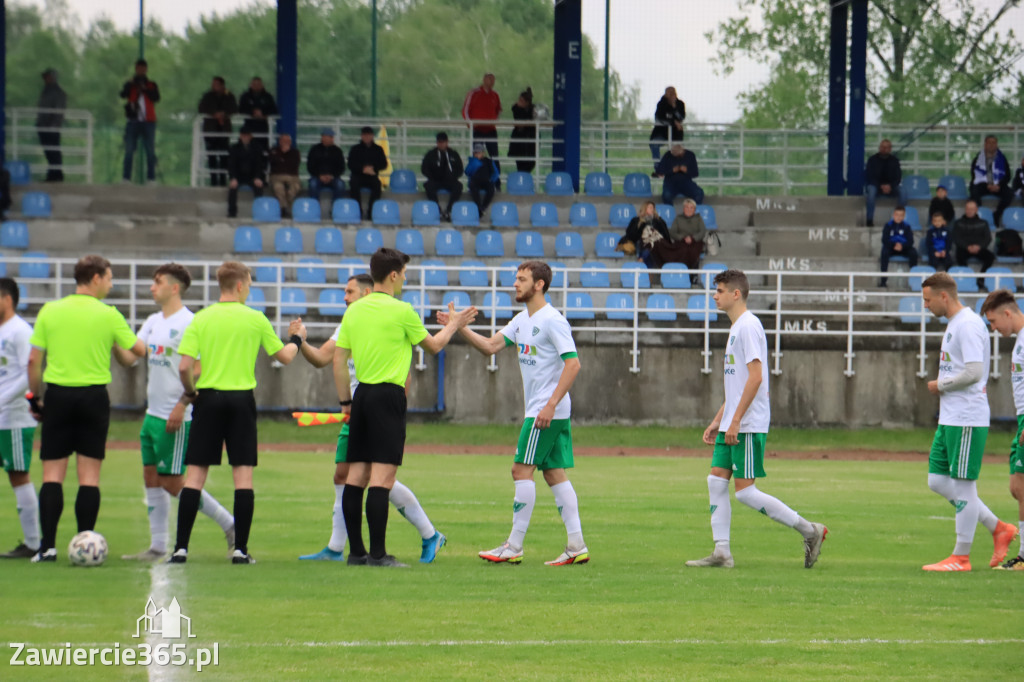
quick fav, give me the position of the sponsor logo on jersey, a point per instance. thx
(945, 357)
(1018, 367)
(525, 349)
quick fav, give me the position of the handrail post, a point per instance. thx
(492, 364)
(635, 352)
(706, 369)
(776, 371)
(849, 329)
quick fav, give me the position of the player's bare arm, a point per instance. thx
(177, 416)
(732, 435)
(456, 320)
(126, 357)
(711, 432)
(341, 378)
(290, 350)
(318, 357)
(487, 346)
(565, 381)
(35, 378)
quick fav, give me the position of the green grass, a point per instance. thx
(635, 612)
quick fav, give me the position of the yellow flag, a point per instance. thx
(382, 140)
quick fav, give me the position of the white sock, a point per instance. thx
(409, 507)
(985, 516)
(943, 485)
(774, 508)
(216, 511)
(966, 502)
(569, 508)
(522, 510)
(339, 534)
(1020, 524)
(158, 505)
(721, 513)
(28, 513)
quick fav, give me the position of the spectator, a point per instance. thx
(883, 175)
(941, 204)
(52, 102)
(686, 243)
(938, 243)
(990, 174)
(1017, 187)
(366, 160)
(679, 167)
(284, 173)
(971, 235)
(645, 230)
(247, 165)
(524, 137)
(668, 123)
(442, 167)
(258, 105)
(5, 190)
(897, 240)
(483, 104)
(217, 105)
(483, 177)
(326, 164)
(142, 95)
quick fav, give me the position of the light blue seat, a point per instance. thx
(1013, 219)
(558, 184)
(409, 242)
(449, 243)
(415, 299)
(619, 306)
(595, 276)
(634, 272)
(519, 184)
(465, 214)
(977, 309)
(268, 272)
(346, 212)
(21, 173)
(459, 298)
(661, 308)
(350, 267)
(708, 214)
(403, 181)
(619, 215)
(966, 279)
(919, 273)
(917, 187)
(328, 240)
(331, 302)
(709, 277)
(385, 212)
(288, 240)
(956, 187)
(913, 219)
(426, 213)
(306, 210)
(910, 308)
(605, 245)
(504, 214)
(14, 235)
(507, 273)
(583, 214)
(636, 185)
(569, 245)
(311, 271)
(501, 305)
(490, 244)
(696, 311)
(248, 239)
(433, 274)
(37, 268)
(36, 205)
(598, 184)
(579, 306)
(529, 245)
(985, 213)
(675, 276)
(543, 214)
(293, 301)
(667, 213)
(1000, 277)
(368, 240)
(257, 300)
(558, 274)
(266, 210)
(477, 277)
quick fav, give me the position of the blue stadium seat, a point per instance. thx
(415, 299)
(543, 214)
(490, 244)
(606, 243)
(708, 214)
(956, 187)
(675, 276)
(595, 276)
(257, 299)
(558, 184)
(919, 273)
(507, 274)
(410, 242)
(346, 212)
(519, 184)
(328, 240)
(20, 172)
(966, 279)
(1000, 277)
(36, 205)
(661, 308)
(449, 243)
(977, 309)
(913, 219)
(332, 302)
(634, 272)
(14, 235)
(619, 215)
(619, 306)
(477, 277)
(504, 214)
(583, 214)
(267, 272)
(917, 187)
(426, 213)
(350, 267)
(697, 311)
(465, 214)
(558, 274)
(501, 305)
(569, 245)
(311, 271)
(985, 213)
(368, 240)
(433, 275)
(266, 210)
(637, 185)
(709, 277)
(288, 240)
(579, 306)
(248, 239)
(667, 213)
(1013, 219)
(37, 268)
(910, 308)
(459, 298)
(293, 301)
(598, 184)
(403, 181)
(529, 245)
(306, 210)
(385, 212)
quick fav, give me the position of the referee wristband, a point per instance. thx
(344, 403)
(296, 339)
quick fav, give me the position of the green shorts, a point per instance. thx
(549, 448)
(1017, 450)
(165, 451)
(16, 448)
(957, 450)
(745, 459)
(341, 454)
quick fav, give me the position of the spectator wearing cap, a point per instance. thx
(217, 105)
(366, 160)
(941, 204)
(482, 105)
(52, 102)
(442, 166)
(483, 177)
(284, 173)
(247, 166)
(990, 175)
(882, 175)
(326, 164)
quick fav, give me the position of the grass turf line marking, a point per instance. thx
(373, 644)
(160, 589)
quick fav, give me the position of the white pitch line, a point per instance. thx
(160, 583)
(377, 644)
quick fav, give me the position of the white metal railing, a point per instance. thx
(76, 141)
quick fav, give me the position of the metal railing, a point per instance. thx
(76, 142)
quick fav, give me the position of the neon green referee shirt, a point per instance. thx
(228, 336)
(380, 331)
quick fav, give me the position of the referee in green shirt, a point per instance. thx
(227, 336)
(378, 333)
(76, 335)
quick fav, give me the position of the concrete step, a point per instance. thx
(802, 218)
(815, 242)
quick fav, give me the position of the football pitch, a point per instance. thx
(635, 612)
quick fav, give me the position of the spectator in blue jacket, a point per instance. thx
(991, 175)
(938, 243)
(679, 167)
(897, 240)
(883, 175)
(483, 177)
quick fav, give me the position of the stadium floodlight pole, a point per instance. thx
(607, 33)
(142, 33)
(373, 58)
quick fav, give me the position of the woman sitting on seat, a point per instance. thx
(642, 234)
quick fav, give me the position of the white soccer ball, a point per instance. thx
(88, 548)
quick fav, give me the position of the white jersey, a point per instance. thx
(1017, 372)
(747, 343)
(966, 340)
(162, 335)
(543, 341)
(353, 382)
(14, 351)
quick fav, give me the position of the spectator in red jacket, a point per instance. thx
(484, 104)
(141, 95)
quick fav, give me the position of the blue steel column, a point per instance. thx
(568, 87)
(858, 93)
(3, 79)
(836, 99)
(287, 65)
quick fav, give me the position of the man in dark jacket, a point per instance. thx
(326, 164)
(258, 105)
(897, 240)
(971, 235)
(940, 203)
(284, 173)
(443, 168)
(142, 95)
(883, 175)
(217, 105)
(990, 174)
(247, 165)
(52, 102)
(483, 177)
(668, 122)
(679, 167)
(366, 160)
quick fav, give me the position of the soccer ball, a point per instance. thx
(88, 548)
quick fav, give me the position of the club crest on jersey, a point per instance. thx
(732, 339)
(174, 333)
(949, 336)
(536, 331)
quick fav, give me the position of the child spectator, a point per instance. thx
(942, 204)
(938, 243)
(897, 240)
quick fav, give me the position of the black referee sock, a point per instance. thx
(377, 519)
(87, 507)
(188, 507)
(245, 500)
(51, 506)
(352, 508)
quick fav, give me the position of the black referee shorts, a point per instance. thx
(219, 418)
(376, 429)
(76, 420)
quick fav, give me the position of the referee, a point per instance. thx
(378, 332)
(227, 336)
(76, 335)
